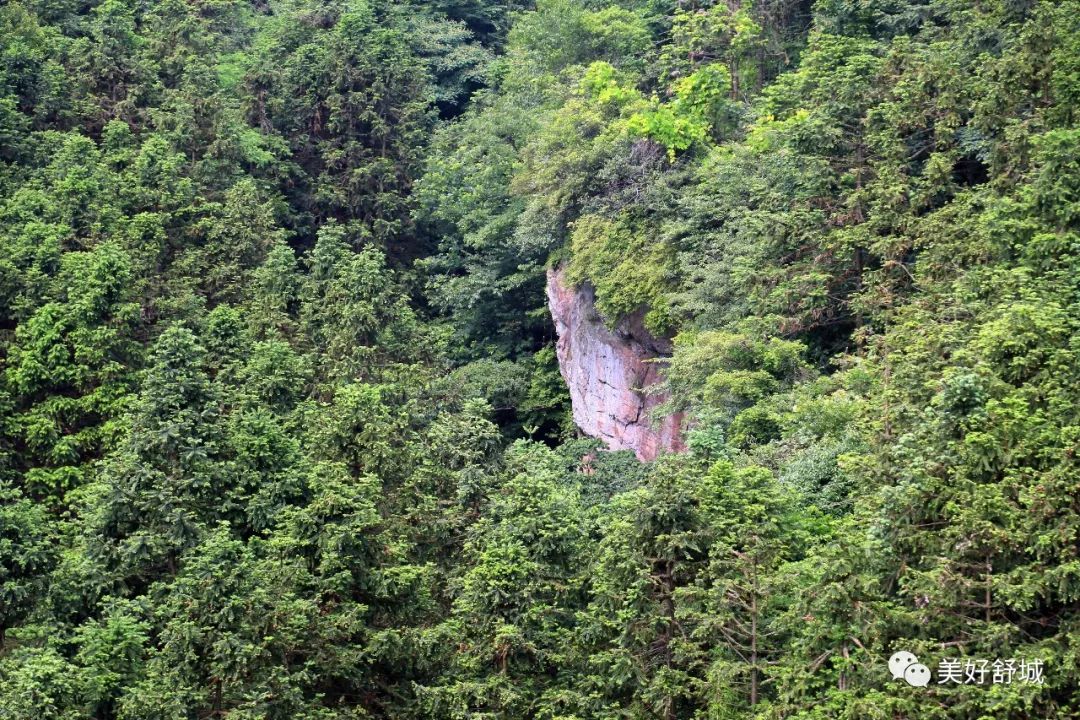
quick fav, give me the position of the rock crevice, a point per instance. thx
(608, 372)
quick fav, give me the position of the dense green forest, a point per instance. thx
(283, 434)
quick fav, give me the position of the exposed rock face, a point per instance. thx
(607, 373)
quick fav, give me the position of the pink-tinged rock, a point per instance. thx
(608, 373)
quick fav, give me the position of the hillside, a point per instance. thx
(553, 360)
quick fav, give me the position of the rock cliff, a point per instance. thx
(607, 372)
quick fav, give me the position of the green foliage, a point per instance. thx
(352, 98)
(562, 33)
(628, 271)
(487, 283)
(717, 33)
(69, 368)
(27, 554)
(513, 605)
(733, 370)
(283, 431)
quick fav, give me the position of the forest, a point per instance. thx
(284, 429)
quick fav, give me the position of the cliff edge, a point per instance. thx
(608, 371)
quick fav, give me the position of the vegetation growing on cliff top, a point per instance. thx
(282, 435)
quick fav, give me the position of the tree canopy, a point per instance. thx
(283, 434)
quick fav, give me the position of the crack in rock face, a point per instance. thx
(608, 372)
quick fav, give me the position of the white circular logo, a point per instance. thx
(899, 662)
